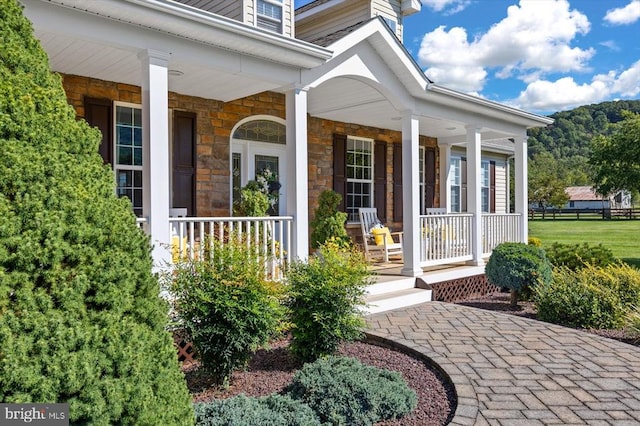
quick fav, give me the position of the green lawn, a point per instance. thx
(621, 236)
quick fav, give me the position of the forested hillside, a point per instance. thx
(568, 139)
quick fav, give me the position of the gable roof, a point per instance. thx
(583, 193)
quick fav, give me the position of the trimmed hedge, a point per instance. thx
(343, 391)
(518, 267)
(575, 256)
(81, 320)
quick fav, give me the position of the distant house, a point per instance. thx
(585, 197)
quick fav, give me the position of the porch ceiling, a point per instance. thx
(217, 58)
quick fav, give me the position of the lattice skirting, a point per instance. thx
(184, 348)
(462, 289)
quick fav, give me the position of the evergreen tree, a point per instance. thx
(81, 320)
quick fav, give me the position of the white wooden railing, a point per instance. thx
(445, 238)
(269, 237)
(499, 228)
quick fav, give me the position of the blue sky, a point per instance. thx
(542, 56)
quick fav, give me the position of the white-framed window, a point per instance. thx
(359, 175)
(485, 181)
(269, 15)
(455, 184)
(128, 153)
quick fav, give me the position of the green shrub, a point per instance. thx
(253, 201)
(272, 410)
(328, 223)
(575, 256)
(325, 297)
(517, 266)
(579, 298)
(81, 320)
(343, 391)
(624, 280)
(533, 241)
(226, 307)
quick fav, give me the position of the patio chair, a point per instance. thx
(378, 241)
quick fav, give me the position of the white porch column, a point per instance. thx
(521, 195)
(445, 189)
(411, 195)
(298, 171)
(155, 152)
(474, 189)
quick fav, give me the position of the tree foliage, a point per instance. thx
(546, 183)
(568, 139)
(81, 320)
(616, 158)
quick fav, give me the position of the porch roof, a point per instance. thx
(217, 57)
(372, 80)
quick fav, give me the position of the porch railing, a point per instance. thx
(445, 238)
(269, 237)
(499, 228)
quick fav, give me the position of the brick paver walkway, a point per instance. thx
(509, 370)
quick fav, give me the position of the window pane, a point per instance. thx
(137, 137)
(124, 155)
(123, 115)
(125, 136)
(137, 178)
(137, 156)
(137, 117)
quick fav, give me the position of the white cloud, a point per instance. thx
(449, 7)
(611, 45)
(628, 83)
(533, 39)
(565, 93)
(624, 15)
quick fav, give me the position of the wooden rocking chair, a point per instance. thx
(377, 240)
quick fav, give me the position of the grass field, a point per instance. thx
(621, 236)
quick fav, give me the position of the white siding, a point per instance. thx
(390, 9)
(330, 21)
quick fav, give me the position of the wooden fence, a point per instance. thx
(630, 213)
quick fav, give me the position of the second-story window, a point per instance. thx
(269, 15)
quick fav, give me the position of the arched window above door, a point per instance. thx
(262, 131)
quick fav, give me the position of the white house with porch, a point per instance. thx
(196, 97)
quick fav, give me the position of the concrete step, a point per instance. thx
(396, 299)
(386, 284)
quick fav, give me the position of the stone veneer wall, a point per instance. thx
(216, 119)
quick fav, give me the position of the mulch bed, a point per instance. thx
(271, 370)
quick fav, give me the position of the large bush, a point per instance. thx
(272, 410)
(590, 297)
(226, 307)
(81, 320)
(575, 256)
(343, 391)
(517, 266)
(325, 297)
(578, 299)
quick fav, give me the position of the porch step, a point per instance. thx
(397, 299)
(387, 284)
(399, 293)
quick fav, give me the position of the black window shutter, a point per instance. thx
(463, 185)
(492, 186)
(340, 168)
(99, 113)
(430, 179)
(380, 179)
(184, 161)
(397, 183)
